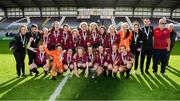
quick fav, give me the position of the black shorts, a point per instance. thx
(40, 65)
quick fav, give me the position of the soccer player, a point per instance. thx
(80, 61)
(57, 63)
(55, 35)
(125, 36)
(101, 60)
(84, 33)
(45, 37)
(66, 37)
(68, 61)
(102, 34)
(127, 59)
(114, 61)
(41, 59)
(94, 35)
(75, 42)
(111, 38)
(90, 57)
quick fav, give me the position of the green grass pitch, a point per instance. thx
(137, 87)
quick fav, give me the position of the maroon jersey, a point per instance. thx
(128, 57)
(78, 59)
(54, 37)
(109, 40)
(66, 40)
(41, 58)
(101, 39)
(46, 40)
(112, 57)
(94, 38)
(75, 42)
(83, 38)
(67, 59)
(100, 58)
(90, 57)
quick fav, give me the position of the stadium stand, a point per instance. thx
(119, 11)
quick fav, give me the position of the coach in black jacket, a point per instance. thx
(18, 47)
(173, 35)
(34, 33)
(147, 46)
(136, 43)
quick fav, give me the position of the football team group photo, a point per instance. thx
(89, 50)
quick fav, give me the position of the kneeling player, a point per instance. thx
(90, 56)
(41, 58)
(57, 63)
(127, 59)
(114, 61)
(101, 60)
(68, 61)
(80, 61)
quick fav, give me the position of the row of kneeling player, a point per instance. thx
(92, 62)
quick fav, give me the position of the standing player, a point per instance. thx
(125, 36)
(55, 35)
(45, 37)
(94, 35)
(66, 37)
(84, 33)
(75, 40)
(102, 34)
(111, 38)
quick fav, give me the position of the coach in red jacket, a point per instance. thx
(161, 44)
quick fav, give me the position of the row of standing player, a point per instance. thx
(74, 40)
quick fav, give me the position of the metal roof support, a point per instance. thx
(16, 3)
(115, 4)
(152, 10)
(5, 12)
(135, 5)
(171, 14)
(133, 11)
(40, 9)
(22, 9)
(77, 3)
(175, 6)
(159, 1)
(59, 11)
(36, 3)
(55, 3)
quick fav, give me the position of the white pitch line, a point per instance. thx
(58, 89)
